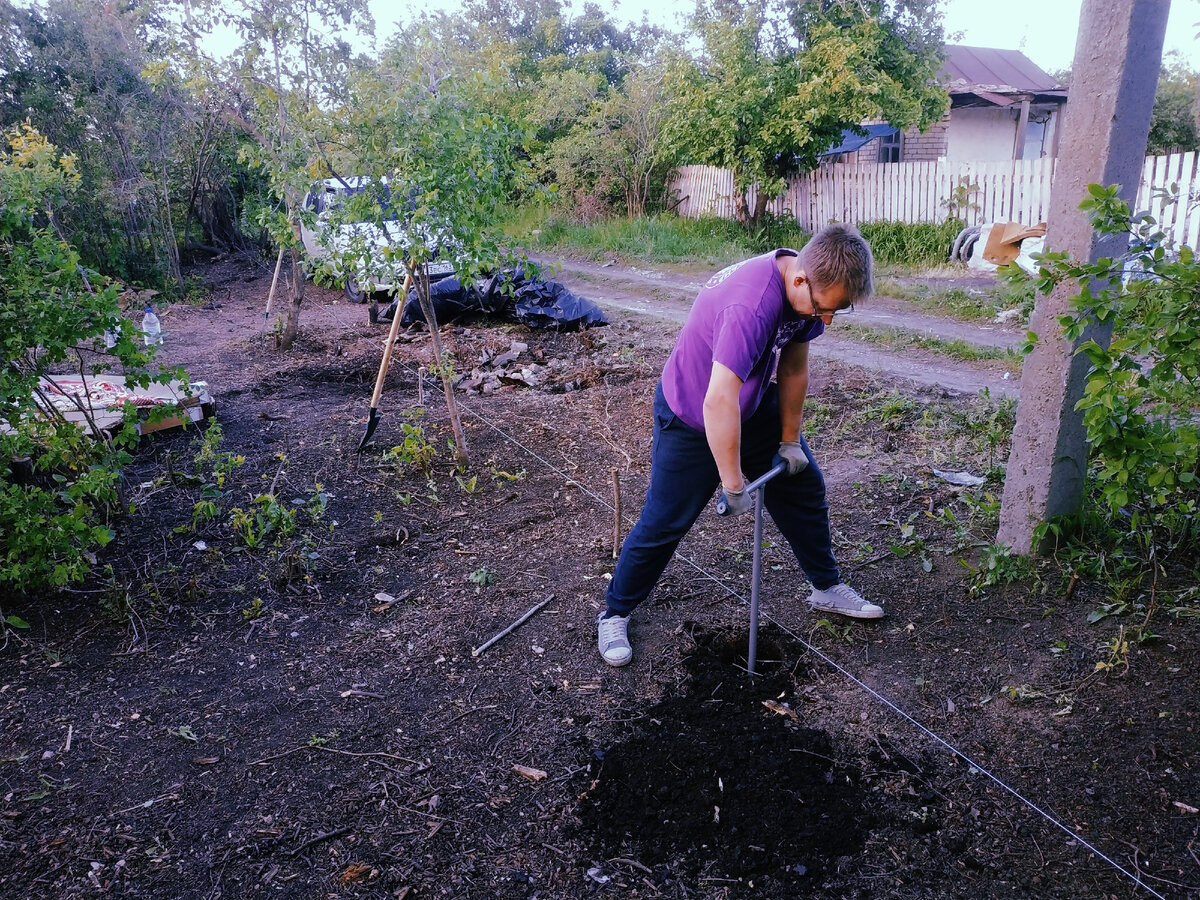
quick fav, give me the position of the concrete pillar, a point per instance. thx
(1118, 52)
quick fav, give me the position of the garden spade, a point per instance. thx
(373, 416)
(756, 488)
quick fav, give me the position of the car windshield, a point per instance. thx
(335, 195)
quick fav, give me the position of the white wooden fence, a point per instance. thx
(977, 192)
(1180, 174)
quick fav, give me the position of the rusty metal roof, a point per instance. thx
(987, 72)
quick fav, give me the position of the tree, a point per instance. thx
(1174, 121)
(78, 71)
(440, 162)
(776, 84)
(619, 147)
(291, 68)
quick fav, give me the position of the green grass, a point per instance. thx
(965, 305)
(911, 246)
(710, 242)
(900, 340)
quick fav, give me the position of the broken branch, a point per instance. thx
(511, 628)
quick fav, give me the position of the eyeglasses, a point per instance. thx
(819, 313)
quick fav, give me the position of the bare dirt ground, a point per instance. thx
(226, 711)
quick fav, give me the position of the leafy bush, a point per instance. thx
(58, 486)
(1141, 402)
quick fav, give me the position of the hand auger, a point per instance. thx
(756, 488)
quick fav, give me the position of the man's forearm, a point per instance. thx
(791, 406)
(723, 428)
(723, 425)
(792, 377)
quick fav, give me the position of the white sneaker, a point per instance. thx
(612, 638)
(845, 601)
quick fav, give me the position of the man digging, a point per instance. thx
(719, 417)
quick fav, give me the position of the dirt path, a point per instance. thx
(667, 292)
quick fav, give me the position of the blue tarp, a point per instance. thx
(852, 141)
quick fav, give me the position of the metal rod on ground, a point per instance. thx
(616, 476)
(756, 574)
(756, 488)
(271, 293)
(511, 628)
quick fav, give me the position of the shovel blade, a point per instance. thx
(372, 424)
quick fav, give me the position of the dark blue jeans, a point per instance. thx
(683, 477)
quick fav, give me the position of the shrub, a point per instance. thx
(1141, 401)
(58, 486)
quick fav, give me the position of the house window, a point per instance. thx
(889, 148)
(1035, 137)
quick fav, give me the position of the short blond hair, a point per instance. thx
(838, 254)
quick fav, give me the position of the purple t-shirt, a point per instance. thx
(740, 319)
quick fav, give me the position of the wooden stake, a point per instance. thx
(616, 477)
(271, 293)
(511, 628)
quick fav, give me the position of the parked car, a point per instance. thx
(364, 245)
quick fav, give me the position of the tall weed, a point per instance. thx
(911, 246)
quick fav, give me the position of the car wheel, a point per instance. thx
(354, 293)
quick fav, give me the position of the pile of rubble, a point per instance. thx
(516, 367)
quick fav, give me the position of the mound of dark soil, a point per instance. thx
(724, 783)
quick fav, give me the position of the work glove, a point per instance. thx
(792, 453)
(734, 503)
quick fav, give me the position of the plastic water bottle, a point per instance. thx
(151, 328)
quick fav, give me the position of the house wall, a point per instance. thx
(926, 147)
(984, 134)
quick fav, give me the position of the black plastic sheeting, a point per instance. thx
(511, 295)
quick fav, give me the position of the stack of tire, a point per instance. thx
(963, 247)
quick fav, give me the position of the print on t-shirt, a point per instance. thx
(717, 279)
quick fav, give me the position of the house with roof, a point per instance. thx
(1002, 107)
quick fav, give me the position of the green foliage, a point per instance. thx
(1173, 123)
(265, 518)
(962, 198)
(56, 510)
(1142, 394)
(154, 163)
(482, 577)
(617, 155)
(413, 452)
(998, 565)
(775, 84)
(214, 467)
(906, 245)
(1018, 290)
